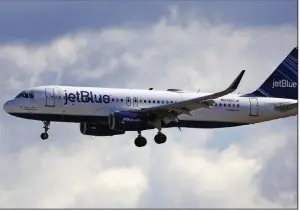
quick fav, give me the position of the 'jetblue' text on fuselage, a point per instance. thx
(86, 97)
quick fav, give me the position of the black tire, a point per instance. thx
(140, 141)
(160, 138)
(44, 136)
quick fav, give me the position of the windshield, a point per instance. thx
(25, 95)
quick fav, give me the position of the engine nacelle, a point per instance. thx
(97, 129)
(126, 121)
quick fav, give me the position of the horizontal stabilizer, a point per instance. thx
(286, 107)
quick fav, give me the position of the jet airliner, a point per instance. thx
(109, 112)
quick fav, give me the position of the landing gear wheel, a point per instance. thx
(140, 141)
(44, 136)
(160, 138)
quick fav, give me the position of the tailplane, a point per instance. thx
(283, 82)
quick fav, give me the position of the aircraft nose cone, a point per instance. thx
(7, 107)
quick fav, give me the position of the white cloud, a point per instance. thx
(72, 170)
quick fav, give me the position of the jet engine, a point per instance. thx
(97, 129)
(127, 121)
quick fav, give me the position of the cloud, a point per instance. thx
(72, 170)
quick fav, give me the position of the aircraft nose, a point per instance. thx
(7, 107)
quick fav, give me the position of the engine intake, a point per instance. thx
(97, 129)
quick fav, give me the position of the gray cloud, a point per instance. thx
(37, 22)
(194, 169)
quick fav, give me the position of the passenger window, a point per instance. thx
(31, 96)
(153, 101)
(113, 99)
(117, 99)
(171, 101)
(141, 101)
(145, 101)
(149, 101)
(121, 100)
(237, 105)
(229, 105)
(220, 104)
(167, 102)
(224, 104)
(162, 102)
(158, 101)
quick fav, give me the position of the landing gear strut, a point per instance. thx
(140, 141)
(46, 127)
(160, 138)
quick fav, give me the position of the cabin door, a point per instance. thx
(253, 106)
(50, 98)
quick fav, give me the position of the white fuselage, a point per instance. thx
(87, 104)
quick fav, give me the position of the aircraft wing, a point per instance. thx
(286, 107)
(184, 107)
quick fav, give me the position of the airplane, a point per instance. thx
(110, 112)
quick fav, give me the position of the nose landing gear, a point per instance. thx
(45, 135)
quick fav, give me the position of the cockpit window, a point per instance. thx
(25, 95)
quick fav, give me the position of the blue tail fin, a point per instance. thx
(283, 82)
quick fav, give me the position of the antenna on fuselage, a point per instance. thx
(198, 90)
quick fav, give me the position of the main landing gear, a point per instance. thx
(45, 135)
(141, 141)
(160, 138)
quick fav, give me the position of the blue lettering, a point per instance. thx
(92, 100)
(78, 94)
(106, 99)
(71, 97)
(66, 98)
(86, 97)
(98, 99)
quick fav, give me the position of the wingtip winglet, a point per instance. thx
(237, 81)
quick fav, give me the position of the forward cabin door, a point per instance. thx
(50, 98)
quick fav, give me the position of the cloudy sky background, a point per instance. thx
(192, 45)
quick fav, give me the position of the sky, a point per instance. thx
(189, 45)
